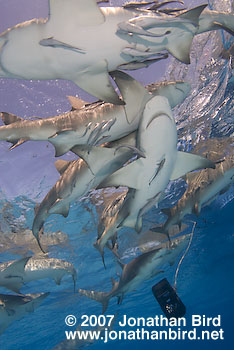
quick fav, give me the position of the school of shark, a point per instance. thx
(126, 141)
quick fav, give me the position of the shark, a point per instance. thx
(95, 123)
(82, 42)
(14, 307)
(14, 274)
(205, 186)
(141, 268)
(80, 176)
(148, 177)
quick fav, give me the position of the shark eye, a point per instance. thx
(168, 32)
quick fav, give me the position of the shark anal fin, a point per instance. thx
(76, 103)
(218, 25)
(96, 81)
(85, 12)
(186, 162)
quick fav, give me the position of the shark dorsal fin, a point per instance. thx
(186, 162)
(133, 93)
(9, 118)
(193, 14)
(62, 165)
(85, 12)
(17, 267)
(76, 102)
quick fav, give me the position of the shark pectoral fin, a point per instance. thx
(186, 162)
(18, 143)
(90, 154)
(83, 12)
(96, 81)
(133, 94)
(61, 165)
(181, 49)
(17, 267)
(193, 14)
(126, 176)
(76, 103)
(59, 208)
(9, 118)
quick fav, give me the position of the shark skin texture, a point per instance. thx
(83, 42)
(144, 267)
(148, 177)
(94, 123)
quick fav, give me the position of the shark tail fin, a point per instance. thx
(101, 297)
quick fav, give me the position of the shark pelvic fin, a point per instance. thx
(84, 12)
(133, 94)
(186, 162)
(101, 297)
(18, 143)
(181, 49)
(193, 14)
(96, 81)
(62, 165)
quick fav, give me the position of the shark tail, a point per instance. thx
(101, 297)
(5, 132)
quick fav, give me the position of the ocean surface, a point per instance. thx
(206, 276)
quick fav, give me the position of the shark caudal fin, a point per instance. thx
(101, 297)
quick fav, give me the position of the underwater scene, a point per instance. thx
(118, 179)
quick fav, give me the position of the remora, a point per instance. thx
(95, 123)
(138, 270)
(83, 42)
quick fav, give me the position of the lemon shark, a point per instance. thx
(94, 123)
(14, 307)
(14, 274)
(80, 176)
(82, 42)
(144, 267)
(148, 177)
(205, 186)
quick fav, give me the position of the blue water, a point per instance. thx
(205, 281)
